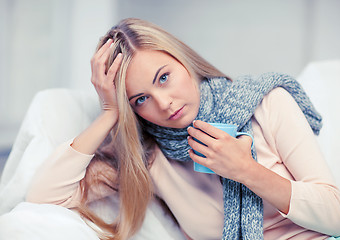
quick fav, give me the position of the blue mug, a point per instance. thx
(228, 128)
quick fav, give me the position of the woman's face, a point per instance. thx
(160, 89)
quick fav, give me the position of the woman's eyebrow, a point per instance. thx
(137, 95)
(154, 80)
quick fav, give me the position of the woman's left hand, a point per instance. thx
(227, 156)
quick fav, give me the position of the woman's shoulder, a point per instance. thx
(277, 106)
(279, 96)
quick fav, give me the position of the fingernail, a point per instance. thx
(111, 45)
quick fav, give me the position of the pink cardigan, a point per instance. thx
(284, 143)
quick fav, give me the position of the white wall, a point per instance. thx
(49, 43)
(249, 37)
(45, 44)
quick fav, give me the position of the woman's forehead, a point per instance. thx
(147, 62)
(152, 56)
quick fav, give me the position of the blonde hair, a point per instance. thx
(128, 149)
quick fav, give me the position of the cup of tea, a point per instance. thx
(228, 128)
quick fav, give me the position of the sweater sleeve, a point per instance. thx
(315, 198)
(58, 180)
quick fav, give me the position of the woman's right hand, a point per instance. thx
(103, 79)
(90, 139)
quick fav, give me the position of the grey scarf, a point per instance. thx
(234, 102)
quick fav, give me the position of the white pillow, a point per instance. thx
(52, 222)
(44, 222)
(321, 81)
(54, 116)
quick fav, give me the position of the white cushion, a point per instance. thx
(54, 116)
(44, 222)
(321, 80)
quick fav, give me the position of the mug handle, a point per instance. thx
(244, 133)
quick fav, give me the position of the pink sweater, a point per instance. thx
(284, 143)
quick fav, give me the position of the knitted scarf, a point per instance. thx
(234, 102)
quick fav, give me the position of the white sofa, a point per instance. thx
(321, 80)
(57, 115)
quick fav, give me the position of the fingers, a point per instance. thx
(103, 49)
(100, 57)
(114, 67)
(209, 129)
(107, 82)
(201, 136)
(101, 77)
(197, 145)
(200, 141)
(196, 158)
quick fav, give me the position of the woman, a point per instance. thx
(157, 95)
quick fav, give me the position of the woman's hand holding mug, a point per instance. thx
(217, 150)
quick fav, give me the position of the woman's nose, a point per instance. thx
(164, 102)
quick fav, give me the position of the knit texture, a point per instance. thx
(234, 102)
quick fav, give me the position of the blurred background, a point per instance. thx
(49, 43)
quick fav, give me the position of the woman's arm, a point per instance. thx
(311, 200)
(231, 158)
(57, 181)
(315, 198)
(89, 140)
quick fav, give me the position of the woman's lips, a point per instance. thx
(177, 114)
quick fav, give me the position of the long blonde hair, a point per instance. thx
(128, 149)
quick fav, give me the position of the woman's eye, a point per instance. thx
(163, 78)
(140, 100)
